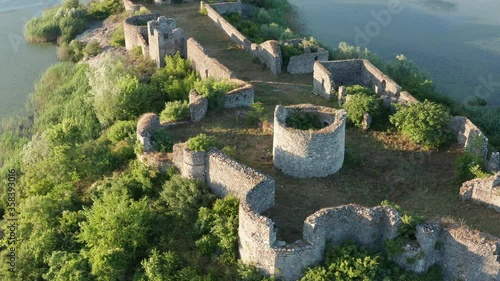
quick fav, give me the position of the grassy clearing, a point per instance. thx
(378, 165)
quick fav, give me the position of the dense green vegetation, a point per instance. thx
(303, 120)
(362, 101)
(425, 123)
(350, 262)
(175, 111)
(201, 142)
(214, 91)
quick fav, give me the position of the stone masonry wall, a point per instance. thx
(463, 254)
(268, 52)
(485, 191)
(243, 96)
(305, 63)
(129, 6)
(305, 153)
(469, 136)
(136, 28)
(469, 255)
(329, 74)
(205, 65)
(165, 39)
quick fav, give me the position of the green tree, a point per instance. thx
(424, 123)
(64, 266)
(360, 103)
(115, 234)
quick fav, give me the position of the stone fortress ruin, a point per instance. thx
(463, 254)
(309, 153)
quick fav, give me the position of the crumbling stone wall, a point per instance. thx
(252, 187)
(136, 31)
(190, 163)
(306, 153)
(469, 136)
(205, 65)
(243, 96)
(494, 162)
(228, 7)
(329, 74)
(269, 52)
(198, 106)
(469, 255)
(147, 124)
(485, 191)
(305, 63)
(165, 39)
(129, 6)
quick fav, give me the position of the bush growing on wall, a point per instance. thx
(175, 111)
(201, 142)
(214, 91)
(303, 120)
(424, 123)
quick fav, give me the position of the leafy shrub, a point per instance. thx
(162, 141)
(121, 130)
(349, 262)
(69, 4)
(175, 111)
(468, 165)
(102, 9)
(185, 197)
(346, 51)
(54, 23)
(214, 91)
(201, 142)
(118, 37)
(257, 114)
(118, 95)
(71, 52)
(219, 229)
(303, 120)
(93, 48)
(358, 89)
(176, 79)
(424, 123)
(358, 104)
(288, 51)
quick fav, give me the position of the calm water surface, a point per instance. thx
(457, 42)
(20, 63)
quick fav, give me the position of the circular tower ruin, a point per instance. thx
(309, 153)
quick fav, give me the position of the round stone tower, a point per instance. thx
(309, 153)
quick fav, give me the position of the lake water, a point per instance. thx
(20, 63)
(457, 42)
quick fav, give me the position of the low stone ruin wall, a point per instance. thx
(129, 6)
(330, 74)
(269, 52)
(469, 136)
(463, 254)
(305, 153)
(243, 96)
(485, 191)
(136, 31)
(305, 63)
(205, 65)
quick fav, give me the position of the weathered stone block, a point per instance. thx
(198, 106)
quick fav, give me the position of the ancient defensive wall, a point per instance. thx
(268, 52)
(330, 76)
(462, 253)
(485, 191)
(309, 153)
(156, 35)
